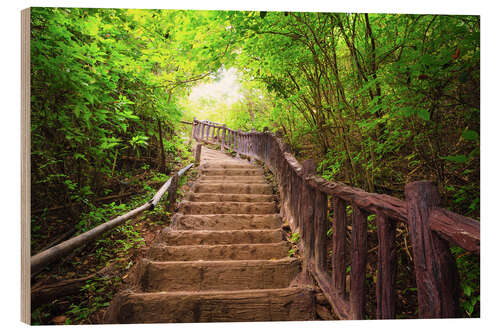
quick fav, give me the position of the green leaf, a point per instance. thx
(424, 114)
(77, 111)
(455, 158)
(427, 59)
(78, 156)
(467, 290)
(408, 111)
(470, 135)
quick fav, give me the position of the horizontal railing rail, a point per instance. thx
(44, 258)
(306, 201)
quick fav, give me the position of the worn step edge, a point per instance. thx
(219, 237)
(226, 221)
(219, 275)
(233, 172)
(231, 181)
(203, 208)
(231, 178)
(237, 188)
(160, 252)
(286, 304)
(225, 165)
(229, 197)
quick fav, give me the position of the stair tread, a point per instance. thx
(227, 221)
(229, 197)
(238, 188)
(206, 166)
(220, 292)
(232, 172)
(219, 275)
(207, 237)
(216, 306)
(225, 207)
(222, 262)
(210, 252)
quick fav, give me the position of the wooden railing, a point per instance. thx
(42, 259)
(306, 202)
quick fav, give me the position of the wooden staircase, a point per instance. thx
(223, 259)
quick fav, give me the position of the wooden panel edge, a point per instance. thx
(25, 167)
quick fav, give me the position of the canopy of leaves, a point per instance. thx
(382, 99)
(105, 82)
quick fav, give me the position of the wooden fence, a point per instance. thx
(305, 199)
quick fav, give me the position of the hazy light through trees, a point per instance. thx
(206, 99)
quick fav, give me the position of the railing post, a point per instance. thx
(386, 268)
(435, 267)
(247, 144)
(238, 143)
(202, 131)
(359, 248)
(306, 210)
(172, 191)
(243, 143)
(339, 245)
(318, 223)
(251, 147)
(192, 130)
(223, 137)
(197, 154)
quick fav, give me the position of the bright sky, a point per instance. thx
(226, 90)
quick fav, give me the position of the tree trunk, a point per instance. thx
(163, 166)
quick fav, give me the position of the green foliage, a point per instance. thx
(468, 268)
(98, 293)
(294, 239)
(100, 215)
(368, 91)
(104, 83)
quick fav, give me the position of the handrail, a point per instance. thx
(42, 259)
(305, 198)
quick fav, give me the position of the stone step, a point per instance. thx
(219, 275)
(226, 221)
(204, 208)
(218, 237)
(232, 172)
(232, 179)
(213, 306)
(267, 251)
(229, 165)
(237, 188)
(219, 197)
